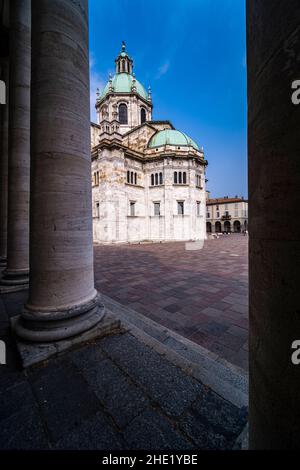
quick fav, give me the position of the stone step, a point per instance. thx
(226, 379)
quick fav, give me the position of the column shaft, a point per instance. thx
(62, 298)
(273, 38)
(4, 167)
(19, 145)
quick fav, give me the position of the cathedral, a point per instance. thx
(148, 179)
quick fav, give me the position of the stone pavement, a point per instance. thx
(112, 393)
(202, 295)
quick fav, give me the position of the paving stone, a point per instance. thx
(213, 422)
(241, 358)
(14, 302)
(10, 375)
(172, 308)
(220, 305)
(134, 399)
(64, 397)
(15, 398)
(214, 328)
(170, 387)
(232, 341)
(185, 283)
(238, 331)
(212, 312)
(156, 333)
(95, 434)
(23, 431)
(119, 396)
(88, 356)
(223, 351)
(239, 308)
(229, 299)
(151, 431)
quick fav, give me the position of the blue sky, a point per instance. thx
(193, 54)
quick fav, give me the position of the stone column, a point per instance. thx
(273, 39)
(62, 299)
(3, 168)
(17, 269)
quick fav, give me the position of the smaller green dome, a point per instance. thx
(171, 137)
(122, 83)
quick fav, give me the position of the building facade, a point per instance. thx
(226, 215)
(148, 179)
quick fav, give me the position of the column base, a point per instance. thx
(13, 281)
(3, 262)
(50, 326)
(15, 278)
(33, 352)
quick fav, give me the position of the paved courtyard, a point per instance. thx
(202, 295)
(113, 393)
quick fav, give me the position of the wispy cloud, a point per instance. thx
(96, 81)
(162, 70)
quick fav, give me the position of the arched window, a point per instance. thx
(123, 118)
(143, 115)
(152, 180)
(184, 177)
(180, 177)
(128, 176)
(160, 178)
(135, 178)
(175, 177)
(156, 178)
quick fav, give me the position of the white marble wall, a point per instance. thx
(112, 220)
(108, 110)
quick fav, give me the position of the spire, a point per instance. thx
(97, 94)
(124, 63)
(149, 93)
(133, 85)
(110, 86)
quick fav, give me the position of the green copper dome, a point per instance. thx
(171, 137)
(122, 83)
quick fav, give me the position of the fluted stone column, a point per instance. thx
(273, 39)
(3, 168)
(17, 269)
(62, 299)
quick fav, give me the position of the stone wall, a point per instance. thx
(113, 222)
(134, 104)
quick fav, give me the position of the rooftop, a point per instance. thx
(225, 200)
(171, 137)
(123, 83)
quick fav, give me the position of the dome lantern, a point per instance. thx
(124, 64)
